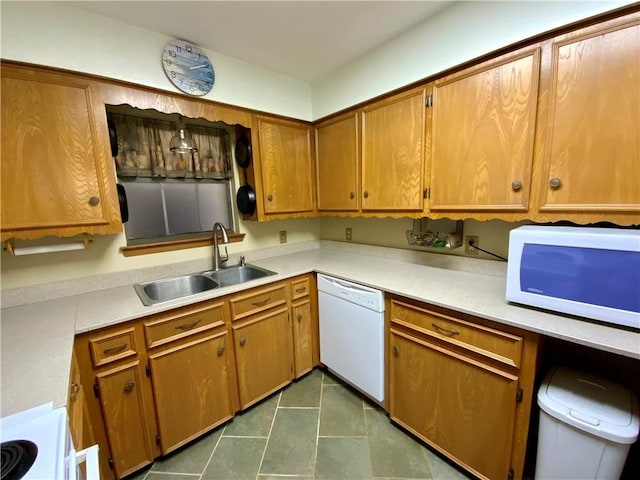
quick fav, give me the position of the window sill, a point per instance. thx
(203, 241)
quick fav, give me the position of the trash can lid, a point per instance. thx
(593, 404)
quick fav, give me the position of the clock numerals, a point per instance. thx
(188, 68)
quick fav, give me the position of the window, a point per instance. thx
(171, 197)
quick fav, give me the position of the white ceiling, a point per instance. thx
(307, 40)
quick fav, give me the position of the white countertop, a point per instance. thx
(37, 339)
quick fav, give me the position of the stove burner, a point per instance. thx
(17, 458)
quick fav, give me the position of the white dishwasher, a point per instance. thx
(352, 333)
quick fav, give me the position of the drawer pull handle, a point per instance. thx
(188, 325)
(75, 388)
(220, 351)
(448, 331)
(396, 350)
(555, 183)
(243, 340)
(129, 386)
(261, 303)
(116, 349)
(300, 290)
(299, 317)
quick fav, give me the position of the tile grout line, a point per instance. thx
(212, 451)
(315, 454)
(266, 444)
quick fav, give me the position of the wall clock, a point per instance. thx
(187, 67)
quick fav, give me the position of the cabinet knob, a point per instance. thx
(270, 197)
(352, 195)
(366, 194)
(243, 340)
(93, 201)
(299, 317)
(555, 182)
(396, 350)
(75, 388)
(220, 351)
(129, 386)
(516, 185)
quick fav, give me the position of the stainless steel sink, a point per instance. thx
(238, 274)
(166, 289)
(172, 288)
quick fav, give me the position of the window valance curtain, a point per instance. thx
(143, 149)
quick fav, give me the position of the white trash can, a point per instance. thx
(587, 425)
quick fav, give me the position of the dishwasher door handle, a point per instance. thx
(349, 286)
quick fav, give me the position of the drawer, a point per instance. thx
(500, 346)
(300, 288)
(113, 346)
(182, 323)
(258, 300)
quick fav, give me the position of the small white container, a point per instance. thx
(587, 425)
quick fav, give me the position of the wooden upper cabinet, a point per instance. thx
(591, 142)
(57, 177)
(286, 166)
(483, 135)
(393, 132)
(337, 163)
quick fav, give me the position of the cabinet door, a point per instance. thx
(285, 162)
(483, 134)
(54, 174)
(191, 389)
(393, 153)
(592, 146)
(302, 337)
(79, 421)
(263, 355)
(337, 162)
(121, 401)
(464, 408)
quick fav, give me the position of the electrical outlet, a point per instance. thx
(283, 236)
(468, 249)
(347, 234)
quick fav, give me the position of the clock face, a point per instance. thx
(187, 67)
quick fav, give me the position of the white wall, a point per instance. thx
(462, 32)
(49, 33)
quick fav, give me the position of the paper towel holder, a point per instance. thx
(11, 247)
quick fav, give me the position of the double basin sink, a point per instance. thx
(166, 289)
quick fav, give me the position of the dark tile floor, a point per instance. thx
(316, 428)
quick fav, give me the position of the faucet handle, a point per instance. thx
(226, 255)
(242, 261)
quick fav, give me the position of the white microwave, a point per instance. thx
(584, 271)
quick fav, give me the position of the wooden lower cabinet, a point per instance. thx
(454, 385)
(191, 389)
(122, 402)
(455, 404)
(304, 314)
(264, 363)
(79, 419)
(302, 337)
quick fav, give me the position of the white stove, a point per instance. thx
(48, 429)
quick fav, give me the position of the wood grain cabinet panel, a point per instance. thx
(483, 135)
(591, 142)
(393, 132)
(56, 173)
(463, 384)
(122, 404)
(302, 337)
(264, 357)
(286, 166)
(463, 408)
(338, 163)
(191, 389)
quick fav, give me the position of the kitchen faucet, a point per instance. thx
(217, 259)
